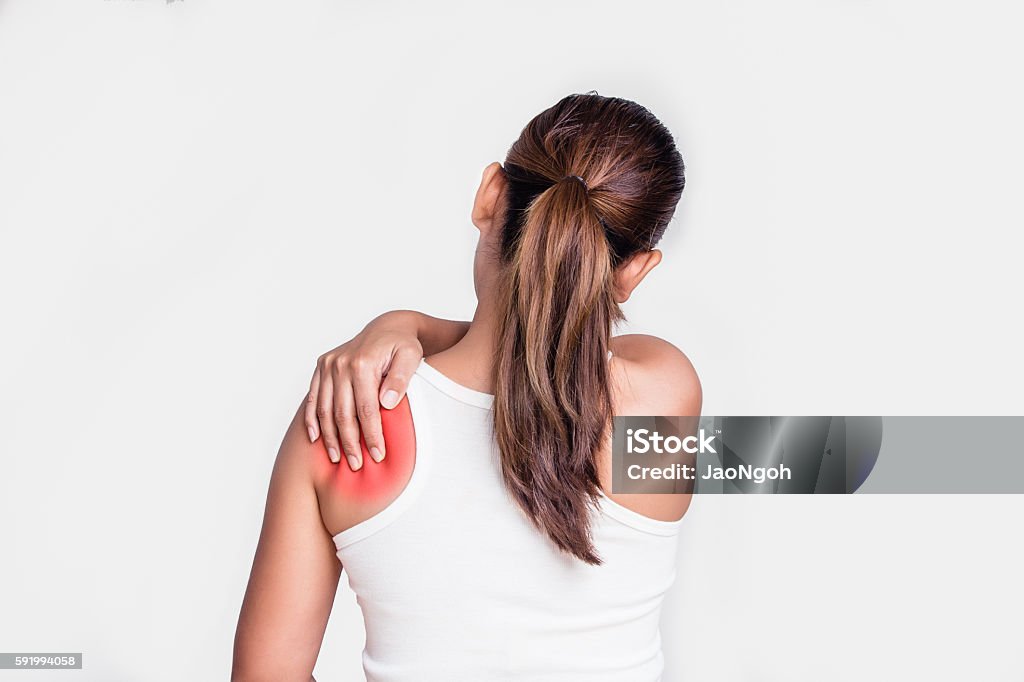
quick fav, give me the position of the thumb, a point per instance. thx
(396, 383)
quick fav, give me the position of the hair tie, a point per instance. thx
(581, 181)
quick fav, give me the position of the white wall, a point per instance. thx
(197, 198)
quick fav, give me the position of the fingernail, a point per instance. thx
(312, 435)
(354, 462)
(333, 454)
(376, 454)
(390, 399)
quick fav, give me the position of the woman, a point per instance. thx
(478, 527)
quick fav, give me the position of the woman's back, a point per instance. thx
(456, 583)
(486, 543)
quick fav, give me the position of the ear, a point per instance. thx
(633, 271)
(487, 205)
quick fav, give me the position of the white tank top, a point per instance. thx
(456, 584)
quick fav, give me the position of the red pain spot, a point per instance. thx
(386, 479)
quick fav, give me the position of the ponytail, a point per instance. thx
(591, 181)
(553, 399)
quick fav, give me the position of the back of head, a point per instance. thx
(592, 182)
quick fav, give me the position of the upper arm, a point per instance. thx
(294, 575)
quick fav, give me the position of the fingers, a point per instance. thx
(325, 416)
(346, 393)
(312, 425)
(365, 383)
(396, 383)
(348, 426)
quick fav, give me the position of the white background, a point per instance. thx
(198, 198)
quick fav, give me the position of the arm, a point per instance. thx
(353, 381)
(436, 334)
(294, 575)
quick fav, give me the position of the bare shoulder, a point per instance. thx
(653, 377)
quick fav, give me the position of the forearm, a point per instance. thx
(437, 334)
(434, 333)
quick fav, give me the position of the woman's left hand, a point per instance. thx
(353, 381)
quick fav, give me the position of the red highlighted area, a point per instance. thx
(376, 481)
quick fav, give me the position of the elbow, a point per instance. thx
(267, 674)
(263, 668)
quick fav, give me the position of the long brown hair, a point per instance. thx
(591, 182)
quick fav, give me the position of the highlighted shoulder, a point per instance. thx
(349, 497)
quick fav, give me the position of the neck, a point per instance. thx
(470, 362)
